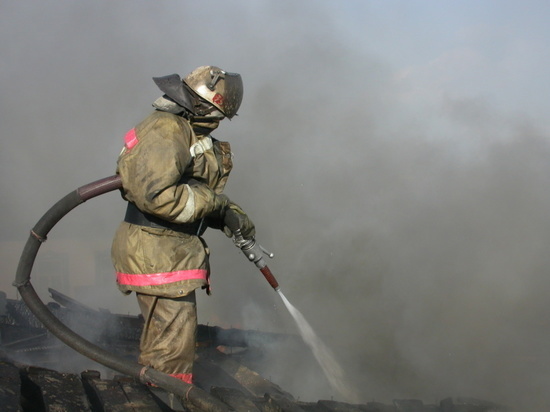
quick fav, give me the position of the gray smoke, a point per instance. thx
(411, 232)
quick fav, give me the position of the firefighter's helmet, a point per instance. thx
(222, 89)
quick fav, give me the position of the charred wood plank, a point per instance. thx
(168, 402)
(235, 399)
(121, 395)
(139, 396)
(207, 374)
(105, 395)
(58, 391)
(10, 387)
(68, 302)
(252, 381)
(277, 403)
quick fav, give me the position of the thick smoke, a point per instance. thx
(409, 222)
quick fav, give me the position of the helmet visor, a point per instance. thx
(232, 96)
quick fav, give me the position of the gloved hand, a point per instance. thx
(206, 200)
(221, 202)
(236, 218)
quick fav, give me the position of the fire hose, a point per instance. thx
(196, 396)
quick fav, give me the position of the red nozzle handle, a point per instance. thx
(269, 277)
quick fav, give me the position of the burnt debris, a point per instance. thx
(39, 373)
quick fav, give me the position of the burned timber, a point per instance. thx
(37, 370)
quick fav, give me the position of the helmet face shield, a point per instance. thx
(233, 96)
(222, 89)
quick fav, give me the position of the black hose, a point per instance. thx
(198, 397)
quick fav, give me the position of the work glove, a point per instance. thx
(235, 218)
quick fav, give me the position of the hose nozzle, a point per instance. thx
(251, 249)
(270, 278)
(254, 252)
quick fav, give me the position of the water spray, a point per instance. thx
(324, 356)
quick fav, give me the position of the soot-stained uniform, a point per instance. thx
(173, 176)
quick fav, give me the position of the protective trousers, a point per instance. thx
(169, 334)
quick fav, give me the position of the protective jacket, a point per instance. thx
(174, 174)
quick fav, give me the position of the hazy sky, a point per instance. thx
(393, 154)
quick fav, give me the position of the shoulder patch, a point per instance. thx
(130, 139)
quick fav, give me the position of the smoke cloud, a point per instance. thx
(402, 194)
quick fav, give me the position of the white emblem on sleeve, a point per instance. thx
(187, 213)
(201, 146)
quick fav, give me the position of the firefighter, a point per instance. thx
(173, 175)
